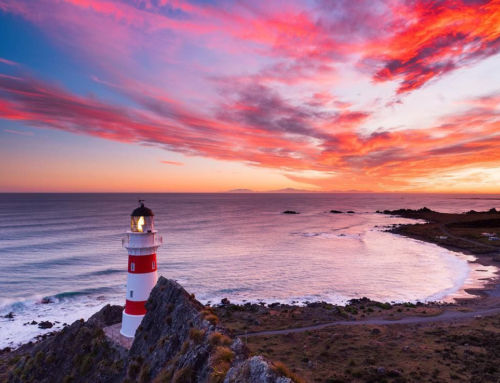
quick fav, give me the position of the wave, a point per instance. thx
(326, 235)
(10, 304)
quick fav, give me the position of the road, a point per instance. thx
(447, 316)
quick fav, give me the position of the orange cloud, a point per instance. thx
(433, 38)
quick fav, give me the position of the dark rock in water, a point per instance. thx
(335, 212)
(350, 212)
(45, 324)
(225, 301)
(9, 315)
(406, 212)
(33, 322)
(46, 300)
(290, 212)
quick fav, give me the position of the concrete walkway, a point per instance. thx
(113, 333)
(447, 316)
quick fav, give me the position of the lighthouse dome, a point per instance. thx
(142, 211)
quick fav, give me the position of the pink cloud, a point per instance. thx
(175, 163)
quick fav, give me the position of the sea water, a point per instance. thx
(67, 248)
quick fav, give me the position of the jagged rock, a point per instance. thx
(254, 370)
(77, 353)
(335, 212)
(290, 212)
(166, 338)
(177, 341)
(107, 316)
(9, 315)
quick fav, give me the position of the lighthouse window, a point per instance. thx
(137, 224)
(132, 266)
(131, 293)
(153, 265)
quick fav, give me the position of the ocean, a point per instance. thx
(67, 249)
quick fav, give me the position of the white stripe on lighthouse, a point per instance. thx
(140, 285)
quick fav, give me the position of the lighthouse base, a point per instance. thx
(130, 324)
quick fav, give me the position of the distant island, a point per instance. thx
(293, 190)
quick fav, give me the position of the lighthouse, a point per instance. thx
(141, 242)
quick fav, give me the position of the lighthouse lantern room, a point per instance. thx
(141, 242)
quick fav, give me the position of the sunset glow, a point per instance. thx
(172, 95)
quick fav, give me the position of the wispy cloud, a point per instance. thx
(18, 132)
(175, 163)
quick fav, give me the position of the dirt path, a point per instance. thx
(448, 316)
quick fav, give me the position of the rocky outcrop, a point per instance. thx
(406, 212)
(78, 353)
(255, 370)
(178, 341)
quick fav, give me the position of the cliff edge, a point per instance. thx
(179, 340)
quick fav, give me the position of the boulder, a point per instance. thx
(45, 324)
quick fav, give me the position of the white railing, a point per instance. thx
(139, 241)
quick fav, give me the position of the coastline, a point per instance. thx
(432, 231)
(363, 340)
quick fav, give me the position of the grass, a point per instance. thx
(220, 361)
(463, 352)
(282, 370)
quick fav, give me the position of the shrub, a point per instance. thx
(283, 370)
(220, 361)
(196, 335)
(184, 375)
(216, 339)
(212, 318)
(144, 375)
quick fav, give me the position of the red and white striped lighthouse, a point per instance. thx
(141, 242)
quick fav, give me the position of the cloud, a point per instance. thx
(18, 132)
(434, 38)
(262, 82)
(8, 62)
(175, 163)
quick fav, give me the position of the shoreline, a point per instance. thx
(485, 254)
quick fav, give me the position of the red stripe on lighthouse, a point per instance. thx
(135, 308)
(139, 264)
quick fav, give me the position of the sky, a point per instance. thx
(209, 96)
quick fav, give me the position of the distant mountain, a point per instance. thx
(240, 191)
(292, 190)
